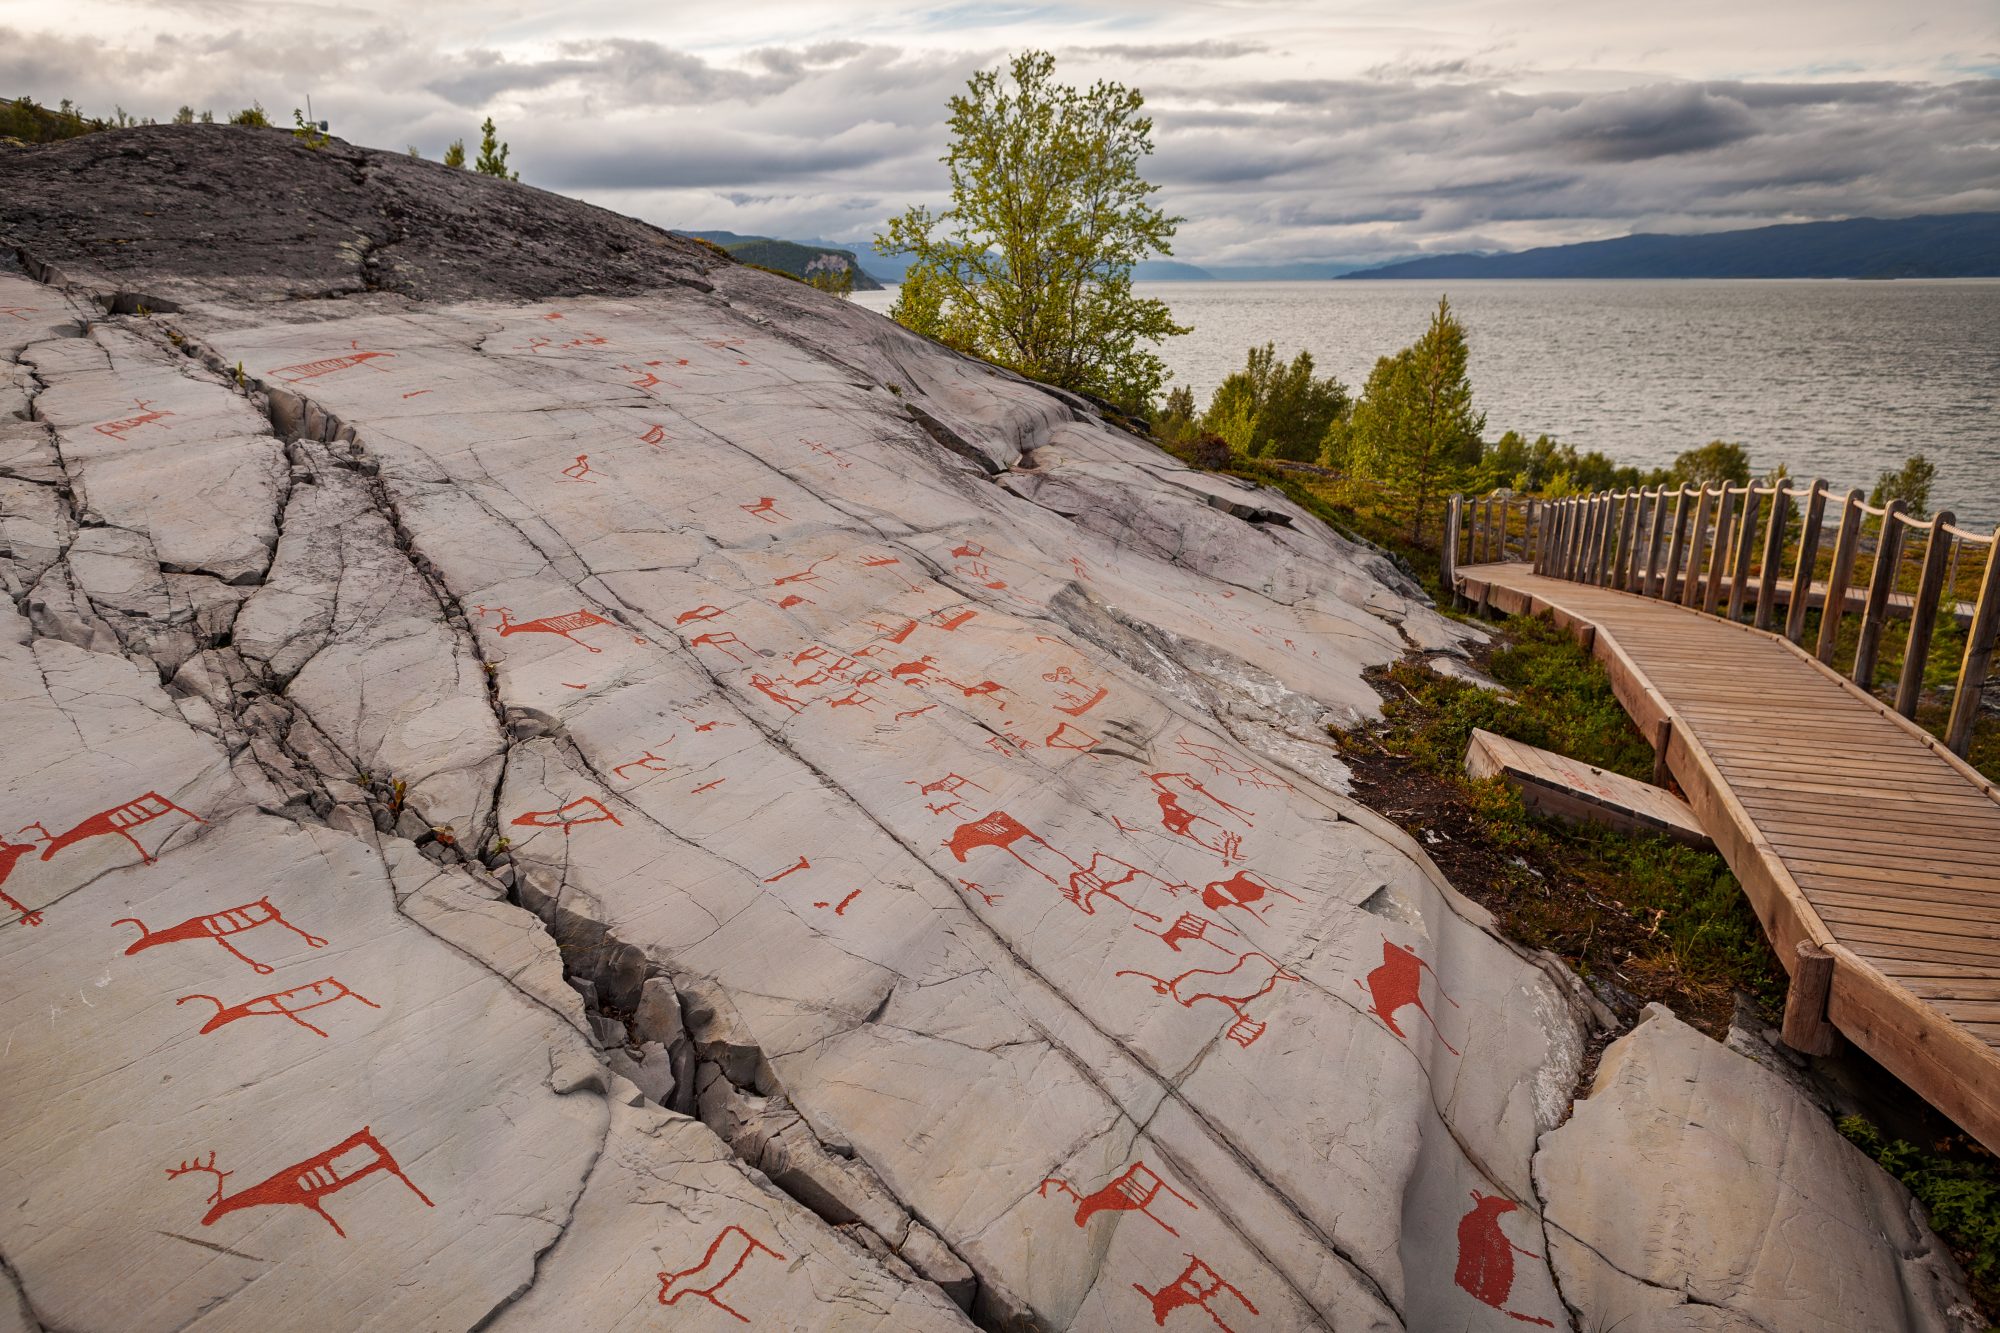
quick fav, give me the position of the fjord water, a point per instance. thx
(1836, 379)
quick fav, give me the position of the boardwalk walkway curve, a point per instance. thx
(1870, 851)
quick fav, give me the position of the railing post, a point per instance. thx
(1628, 528)
(1808, 565)
(1607, 504)
(1670, 584)
(1746, 545)
(1448, 549)
(1658, 530)
(1572, 515)
(1697, 535)
(1979, 644)
(1888, 555)
(1834, 609)
(1923, 615)
(1718, 560)
(1774, 551)
(1592, 516)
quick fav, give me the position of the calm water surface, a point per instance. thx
(1836, 379)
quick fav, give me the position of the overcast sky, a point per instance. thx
(1285, 131)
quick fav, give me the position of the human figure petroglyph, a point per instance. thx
(1131, 1191)
(1486, 1257)
(220, 927)
(724, 1259)
(1398, 984)
(307, 1183)
(282, 1004)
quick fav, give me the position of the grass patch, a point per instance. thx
(1642, 917)
(1959, 1186)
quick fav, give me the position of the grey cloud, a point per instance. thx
(1210, 50)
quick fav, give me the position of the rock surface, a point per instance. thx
(571, 783)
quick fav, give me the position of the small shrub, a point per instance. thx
(252, 115)
(1960, 1191)
(1211, 451)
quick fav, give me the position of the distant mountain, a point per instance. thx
(889, 268)
(1948, 245)
(1297, 271)
(800, 259)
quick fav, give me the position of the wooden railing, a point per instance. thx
(1745, 552)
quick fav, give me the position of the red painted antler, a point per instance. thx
(190, 1167)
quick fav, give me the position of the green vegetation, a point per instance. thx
(1910, 483)
(1414, 433)
(454, 154)
(1959, 1187)
(252, 115)
(25, 120)
(308, 132)
(1031, 265)
(834, 280)
(1652, 918)
(825, 267)
(1271, 410)
(492, 154)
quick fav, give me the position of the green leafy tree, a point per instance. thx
(835, 280)
(1713, 464)
(1414, 432)
(1176, 420)
(1031, 265)
(1272, 410)
(184, 116)
(1910, 483)
(454, 155)
(492, 154)
(251, 115)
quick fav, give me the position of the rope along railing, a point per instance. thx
(1769, 554)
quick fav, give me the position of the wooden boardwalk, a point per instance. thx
(1870, 852)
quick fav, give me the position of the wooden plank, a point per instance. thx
(1556, 785)
(1836, 914)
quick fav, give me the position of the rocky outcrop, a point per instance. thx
(561, 810)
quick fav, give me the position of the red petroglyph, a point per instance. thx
(824, 451)
(1197, 1285)
(1198, 984)
(20, 312)
(725, 641)
(10, 852)
(853, 699)
(763, 509)
(767, 687)
(535, 345)
(643, 379)
(656, 435)
(944, 809)
(972, 563)
(896, 636)
(841, 908)
(553, 314)
(1131, 1191)
(119, 820)
(560, 626)
(415, 393)
(1486, 1256)
(1081, 885)
(592, 811)
(1244, 889)
(283, 1004)
(703, 612)
(1067, 737)
(709, 786)
(312, 370)
(810, 574)
(706, 726)
(915, 712)
(1078, 696)
(1002, 747)
(649, 761)
(1183, 822)
(951, 782)
(988, 898)
(1224, 764)
(792, 600)
(220, 926)
(721, 1263)
(950, 623)
(586, 340)
(307, 1183)
(1076, 563)
(572, 685)
(1188, 926)
(580, 470)
(117, 429)
(801, 864)
(1398, 984)
(1124, 827)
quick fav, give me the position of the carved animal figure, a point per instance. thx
(1486, 1256)
(1197, 1285)
(1190, 988)
(718, 1260)
(282, 1004)
(219, 927)
(561, 626)
(1397, 984)
(1243, 889)
(120, 820)
(1131, 1191)
(10, 852)
(306, 1184)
